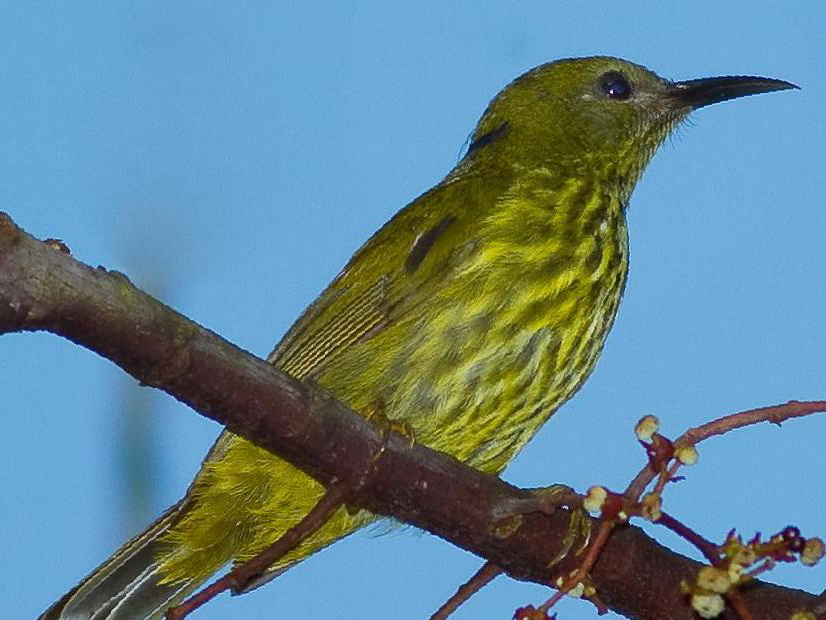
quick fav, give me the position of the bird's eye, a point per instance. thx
(615, 85)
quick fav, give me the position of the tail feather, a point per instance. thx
(126, 587)
(143, 598)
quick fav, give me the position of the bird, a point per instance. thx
(471, 316)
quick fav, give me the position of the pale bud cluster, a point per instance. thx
(646, 427)
(708, 605)
(651, 506)
(738, 561)
(687, 455)
(813, 552)
(742, 561)
(595, 499)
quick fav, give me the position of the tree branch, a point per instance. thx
(43, 288)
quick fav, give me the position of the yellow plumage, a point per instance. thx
(473, 371)
(472, 315)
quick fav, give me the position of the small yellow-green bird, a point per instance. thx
(471, 316)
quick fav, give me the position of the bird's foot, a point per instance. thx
(376, 414)
(547, 500)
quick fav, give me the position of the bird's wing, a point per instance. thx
(380, 283)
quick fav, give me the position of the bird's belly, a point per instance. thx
(475, 387)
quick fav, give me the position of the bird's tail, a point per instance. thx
(126, 586)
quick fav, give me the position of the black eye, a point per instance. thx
(615, 85)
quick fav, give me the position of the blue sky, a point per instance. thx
(230, 157)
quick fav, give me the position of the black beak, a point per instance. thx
(706, 91)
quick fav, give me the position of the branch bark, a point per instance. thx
(43, 288)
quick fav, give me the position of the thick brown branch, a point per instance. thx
(43, 288)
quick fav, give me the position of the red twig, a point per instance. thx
(582, 571)
(480, 579)
(706, 547)
(735, 597)
(240, 576)
(776, 414)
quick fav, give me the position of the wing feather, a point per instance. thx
(378, 284)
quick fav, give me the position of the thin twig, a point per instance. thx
(545, 500)
(240, 576)
(776, 414)
(480, 579)
(584, 568)
(738, 603)
(705, 546)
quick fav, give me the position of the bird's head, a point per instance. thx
(599, 115)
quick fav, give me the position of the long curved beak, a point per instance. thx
(707, 91)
